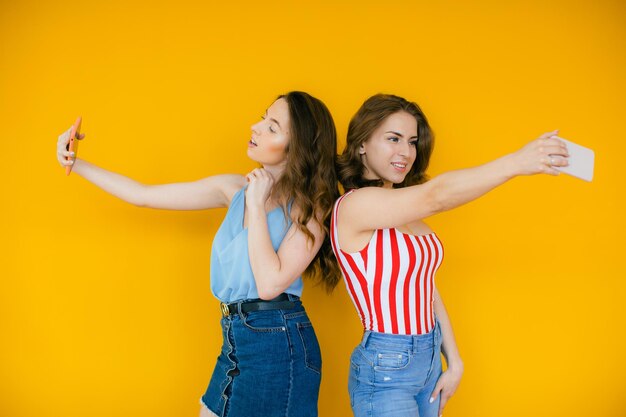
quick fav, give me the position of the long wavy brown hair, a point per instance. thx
(363, 124)
(309, 180)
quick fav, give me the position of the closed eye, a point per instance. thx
(270, 126)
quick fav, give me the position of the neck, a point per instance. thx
(369, 176)
(275, 170)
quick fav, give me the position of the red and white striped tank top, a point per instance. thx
(391, 280)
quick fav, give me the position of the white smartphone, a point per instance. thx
(581, 161)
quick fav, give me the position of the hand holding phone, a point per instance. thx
(581, 161)
(72, 145)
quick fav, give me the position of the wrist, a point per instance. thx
(511, 166)
(76, 166)
(455, 365)
(255, 208)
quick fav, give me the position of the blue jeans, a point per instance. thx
(270, 365)
(395, 375)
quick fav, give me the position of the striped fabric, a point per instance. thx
(391, 280)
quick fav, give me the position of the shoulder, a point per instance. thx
(375, 197)
(234, 180)
(360, 197)
(230, 184)
(225, 184)
(355, 207)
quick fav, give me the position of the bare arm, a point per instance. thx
(388, 208)
(275, 271)
(449, 381)
(449, 348)
(210, 192)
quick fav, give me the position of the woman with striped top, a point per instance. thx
(389, 256)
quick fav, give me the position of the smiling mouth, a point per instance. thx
(252, 143)
(399, 166)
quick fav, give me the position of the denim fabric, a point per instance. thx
(270, 365)
(395, 375)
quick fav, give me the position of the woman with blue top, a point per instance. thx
(275, 230)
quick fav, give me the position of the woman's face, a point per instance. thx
(391, 150)
(270, 136)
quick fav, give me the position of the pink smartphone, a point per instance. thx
(72, 145)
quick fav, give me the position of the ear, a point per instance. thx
(361, 150)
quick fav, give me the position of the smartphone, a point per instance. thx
(581, 161)
(72, 145)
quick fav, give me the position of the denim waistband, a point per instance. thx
(292, 297)
(412, 342)
(238, 303)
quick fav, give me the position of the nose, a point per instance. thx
(405, 148)
(255, 128)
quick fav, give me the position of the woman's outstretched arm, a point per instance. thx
(387, 208)
(210, 192)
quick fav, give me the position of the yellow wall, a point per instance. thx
(105, 309)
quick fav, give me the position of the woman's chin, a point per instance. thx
(396, 179)
(250, 153)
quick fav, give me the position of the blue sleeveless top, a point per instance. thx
(231, 274)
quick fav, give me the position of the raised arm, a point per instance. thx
(210, 192)
(388, 208)
(274, 271)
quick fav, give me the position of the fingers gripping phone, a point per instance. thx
(72, 145)
(581, 161)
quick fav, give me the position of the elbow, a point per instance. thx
(138, 198)
(139, 203)
(268, 293)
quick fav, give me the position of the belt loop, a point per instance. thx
(366, 335)
(239, 303)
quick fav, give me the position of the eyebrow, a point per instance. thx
(273, 120)
(400, 134)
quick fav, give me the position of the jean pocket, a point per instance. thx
(264, 321)
(312, 353)
(391, 359)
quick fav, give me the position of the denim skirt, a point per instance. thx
(270, 365)
(395, 375)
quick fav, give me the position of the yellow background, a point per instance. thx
(105, 309)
